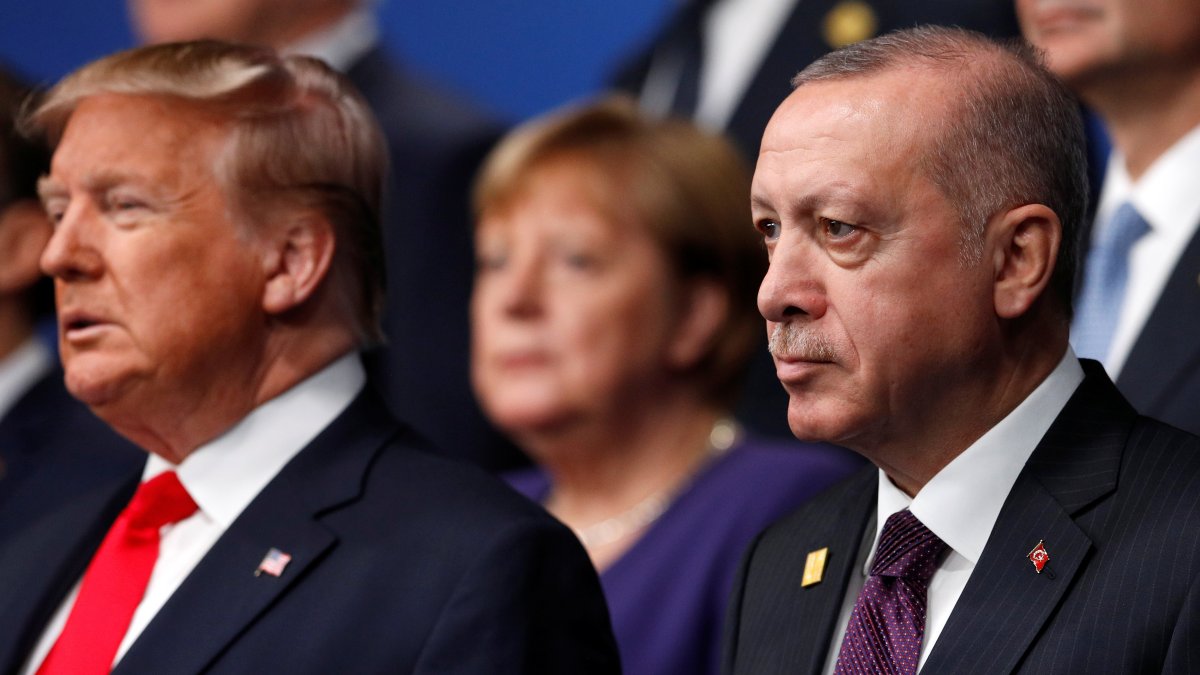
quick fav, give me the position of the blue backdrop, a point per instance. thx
(517, 58)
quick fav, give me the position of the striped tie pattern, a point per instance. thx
(888, 622)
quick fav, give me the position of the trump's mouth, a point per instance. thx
(79, 325)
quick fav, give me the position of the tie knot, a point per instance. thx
(907, 549)
(159, 501)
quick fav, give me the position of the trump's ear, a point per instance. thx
(24, 231)
(1025, 246)
(299, 256)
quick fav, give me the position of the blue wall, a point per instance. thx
(517, 58)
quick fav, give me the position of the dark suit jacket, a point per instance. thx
(51, 449)
(436, 142)
(402, 562)
(1115, 497)
(801, 42)
(763, 405)
(1161, 377)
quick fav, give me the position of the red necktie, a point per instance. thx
(116, 579)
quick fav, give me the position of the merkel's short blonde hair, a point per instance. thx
(689, 189)
(299, 134)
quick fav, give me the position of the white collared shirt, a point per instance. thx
(342, 43)
(961, 502)
(737, 35)
(1167, 198)
(223, 476)
(20, 370)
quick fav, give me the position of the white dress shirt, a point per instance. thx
(961, 502)
(20, 370)
(737, 34)
(223, 477)
(1167, 198)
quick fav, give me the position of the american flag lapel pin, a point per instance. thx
(1039, 556)
(273, 563)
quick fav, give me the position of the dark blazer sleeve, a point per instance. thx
(520, 609)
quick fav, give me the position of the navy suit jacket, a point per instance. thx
(1115, 497)
(51, 449)
(800, 42)
(436, 143)
(1161, 376)
(402, 562)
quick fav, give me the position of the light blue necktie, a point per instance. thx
(1105, 278)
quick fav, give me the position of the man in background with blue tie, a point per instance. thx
(919, 195)
(1138, 306)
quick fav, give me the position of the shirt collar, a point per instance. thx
(1165, 195)
(20, 370)
(961, 502)
(342, 43)
(224, 475)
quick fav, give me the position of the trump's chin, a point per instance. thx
(98, 385)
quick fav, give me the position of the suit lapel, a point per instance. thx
(845, 540)
(785, 627)
(41, 563)
(222, 597)
(799, 43)
(1156, 365)
(1007, 602)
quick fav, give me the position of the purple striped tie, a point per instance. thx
(888, 621)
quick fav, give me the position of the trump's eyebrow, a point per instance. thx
(106, 179)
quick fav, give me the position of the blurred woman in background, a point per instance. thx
(613, 316)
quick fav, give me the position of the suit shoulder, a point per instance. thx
(425, 485)
(1158, 449)
(1160, 469)
(1155, 433)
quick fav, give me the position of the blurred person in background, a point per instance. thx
(612, 318)
(435, 141)
(51, 446)
(1138, 305)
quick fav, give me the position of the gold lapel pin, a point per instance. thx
(814, 567)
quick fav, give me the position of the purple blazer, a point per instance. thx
(668, 593)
